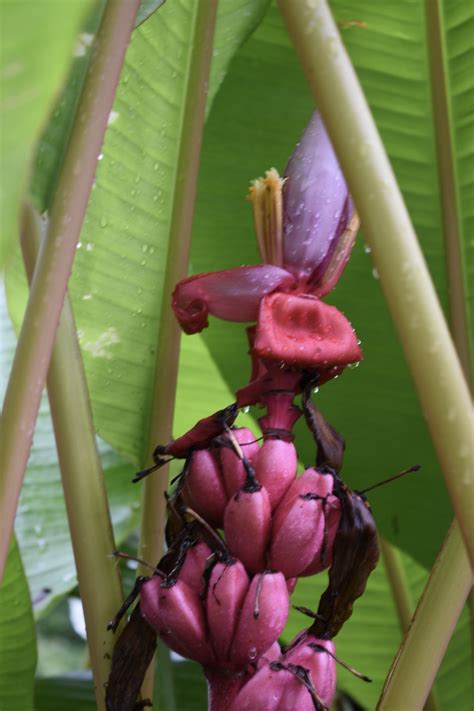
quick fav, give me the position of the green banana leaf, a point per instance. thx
(17, 637)
(37, 45)
(77, 691)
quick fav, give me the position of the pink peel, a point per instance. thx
(177, 615)
(299, 528)
(204, 489)
(192, 571)
(227, 588)
(247, 523)
(321, 665)
(275, 468)
(262, 619)
(233, 470)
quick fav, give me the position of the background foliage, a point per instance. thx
(258, 105)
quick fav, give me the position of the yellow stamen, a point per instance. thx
(266, 197)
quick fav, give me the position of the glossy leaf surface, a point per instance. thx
(33, 65)
(17, 637)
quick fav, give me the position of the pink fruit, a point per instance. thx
(203, 489)
(247, 522)
(192, 571)
(299, 524)
(309, 653)
(271, 655)
(273, 689)
(323, 557)
(275, 467)
(263, 692)
(177, 615)
(262, 619)
(233, 470)
(226, 591)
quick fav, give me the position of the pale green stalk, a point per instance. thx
(396, 575)
(55, 260)
(448, 182)
(167, 354)
(82, 478)
(404, 276)
(402, 597)
(449, 192)
(415, 666)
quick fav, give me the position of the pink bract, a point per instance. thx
(319, 228)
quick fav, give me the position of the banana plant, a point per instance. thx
(132, 131)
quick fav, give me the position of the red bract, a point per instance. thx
(306, 227)
(304, 331)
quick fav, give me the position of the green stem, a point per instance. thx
(398, 582)
(402, 598)
(448, 182)
(55, 260)
(167, 354)
(421, 652)
(82, 478)
(449, 192)
(163, 678)
(404, 276)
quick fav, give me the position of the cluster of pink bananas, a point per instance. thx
(225, 605)
(270, 522)
(224, 600)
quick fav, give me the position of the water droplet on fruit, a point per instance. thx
(252, 653)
